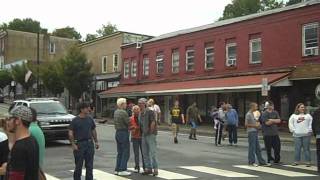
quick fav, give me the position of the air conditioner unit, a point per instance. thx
(311, 51)
(139, 45)
(231, 62)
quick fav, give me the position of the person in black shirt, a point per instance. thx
(177, 118)
(4, 149)
(23, 161)
(82, 132)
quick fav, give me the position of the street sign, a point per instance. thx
(264, 87)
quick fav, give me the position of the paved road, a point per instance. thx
(187, 160)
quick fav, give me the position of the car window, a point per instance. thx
(25, 104)
(18, 103)
(49, 108)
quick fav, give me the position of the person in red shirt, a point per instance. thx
(136, 137)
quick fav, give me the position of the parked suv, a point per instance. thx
(53, 117)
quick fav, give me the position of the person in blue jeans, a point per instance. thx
(232, 124)
(252, 124)
(83, 138)
(121, 124)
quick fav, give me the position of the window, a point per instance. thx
(1, 62)
(160, 62)
(209, 58)
(134, 69)
(126, 70)
(104, 64)
(175, 61)
(145, 65)
(190, 60)
(255, 51)
(231, 54)
(115, 63)
(310, 35)
(52, 47)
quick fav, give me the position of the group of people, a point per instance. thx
(22, 146)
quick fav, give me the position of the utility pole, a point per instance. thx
(38, 64)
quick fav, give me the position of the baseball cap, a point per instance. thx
(22, 112)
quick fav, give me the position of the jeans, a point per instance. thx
(84, 153)
(233, 135)
(273, 142)
(302, 142)
(254, 148)
(137, 149)
(123, 150)
(218, 134)
(149, 150)
(318, 153)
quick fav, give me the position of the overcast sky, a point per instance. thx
(151, 17)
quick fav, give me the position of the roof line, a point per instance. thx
(7, 30)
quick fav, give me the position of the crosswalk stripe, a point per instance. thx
(312, 168)
(170, 175)
(101, 175)
(276, 171)
(215, 171)
(49, 177)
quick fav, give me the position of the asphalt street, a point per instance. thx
(189, 159)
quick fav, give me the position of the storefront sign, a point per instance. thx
(264, 88)
(317, 92)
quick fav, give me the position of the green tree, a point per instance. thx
(5, 78)
(291, 2)
(270, 4)
(27, 25)
(18, 74)
(91, 37)
(75, 72)
(50, 76)
(3, 26)
(67, 32)
(108, 29)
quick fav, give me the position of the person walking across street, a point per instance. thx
(23, 163)
(193, 116)
(218, 125)
(149, 138)
(270, 118)
(316, 131)
(252, 124)
(177, 118)
(232, 124)
(300, 125)
(156, 109)
(83, 139)
(136, 137)
(121, 124)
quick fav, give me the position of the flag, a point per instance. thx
(27, 76)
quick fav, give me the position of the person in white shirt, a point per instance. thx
(300, 125)
(156, 109)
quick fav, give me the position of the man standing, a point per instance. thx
(316, 131)
(82, 133)
(23, 162)
(192, 116)
(270, 118)
(149, 138)
(252, 124)
(177, 118)
(232, 124)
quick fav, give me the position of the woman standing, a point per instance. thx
(300, 125)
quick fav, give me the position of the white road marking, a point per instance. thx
(219, 172)
(170, 175)
(101, 175)
(49, 177)
(275, 171)
(304, 167)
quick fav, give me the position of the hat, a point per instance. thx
(22, 112)
(142, 100)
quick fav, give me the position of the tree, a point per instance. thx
(3, 26)
(5, 78)
(245, 7)
(27, 25)
(291, 2)
(50, 76)
(67, 32)
(75, 72)
(91, 37)
(18, 74)
(107, 29)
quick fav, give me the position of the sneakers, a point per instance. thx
(266, 165)
(116, 173)
(295, 164)
(124, 173)
(254, 165)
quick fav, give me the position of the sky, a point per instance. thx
(150, 17)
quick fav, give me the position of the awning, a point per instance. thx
(307, 71)
(229, 84)
(107, 76)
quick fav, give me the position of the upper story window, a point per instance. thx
(145, 65)
(160, 62)
(175, 60)
(190, 64)
(209, 57)
(52, 47)
(310, 39)
(231, 54)
(126, 69)
(255, 51)
(133, 69)
(104, 64)
(115, 63)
